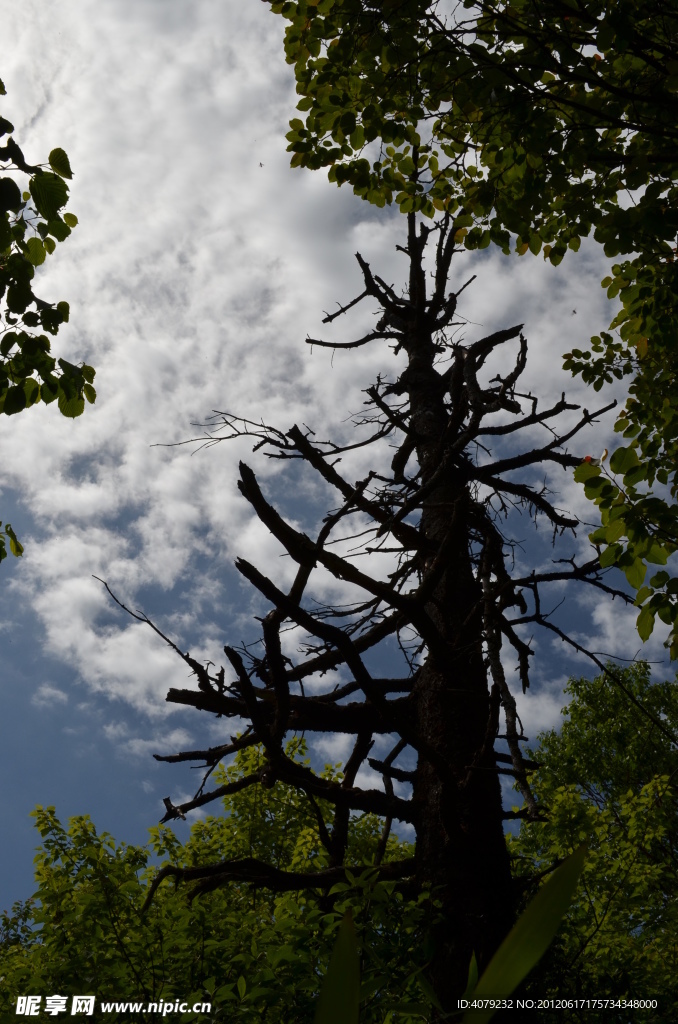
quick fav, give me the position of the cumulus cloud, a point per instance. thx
(200, 264)
(334, 748)
(134, 746)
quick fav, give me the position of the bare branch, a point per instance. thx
(251, 871)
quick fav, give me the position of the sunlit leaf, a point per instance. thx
(59, 162)
(15, 546)
(35, 251)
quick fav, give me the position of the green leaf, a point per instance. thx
(645, 623)
(598, 488)
(59, 162)
(71, 220)
(15, 545)
(614, 531)
(339, 999)
(657, 553)
(586, 471)
(623, 459)
(58, 228)
(530, 937)
(10, 196)
(428, 991)
(32, 391)
(49, 194)
(49, 391)
(534, 244)
(71, 406)
(472, 975)
(15, 400)
(35, 251)
(242, 987)
(635, 573)
(643, 595)
(19, 296)
(8, 342)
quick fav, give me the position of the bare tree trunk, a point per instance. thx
(461, 849)
(451, 591)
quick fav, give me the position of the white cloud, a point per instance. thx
(539, 709)
(369, 779)
(192, 285)
(194, 276)
(613, 634)
(47, 696)
(134, 746)
(333, 747)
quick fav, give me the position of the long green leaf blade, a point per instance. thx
(530, 937)
(339, 1000)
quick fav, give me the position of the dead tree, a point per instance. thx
(449, 603)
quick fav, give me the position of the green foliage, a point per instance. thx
(637, 529)
(31, 224)
(529, 125)
(253, 954)
(14, 545)
(609, 779)
(247, 951)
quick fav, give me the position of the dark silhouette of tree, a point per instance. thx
(424, 549)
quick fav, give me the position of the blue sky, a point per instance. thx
(200, 264)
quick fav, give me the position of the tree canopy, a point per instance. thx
(32, 223)
(532, 126)
(609, 776)
(254, 954)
